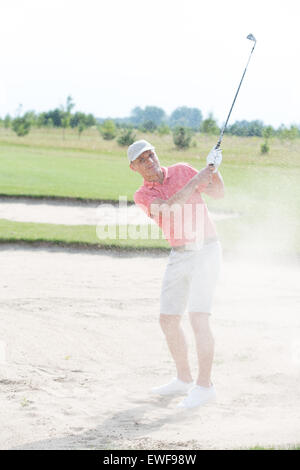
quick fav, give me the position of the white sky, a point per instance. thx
(113, 55)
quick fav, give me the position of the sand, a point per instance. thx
(72, 213)
(80, 347)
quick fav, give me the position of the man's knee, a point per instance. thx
(169, 323)
(200, 321)
(202, 331)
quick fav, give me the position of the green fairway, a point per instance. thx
(264, 190)
(232, 233)
(11, 232)
(62, 173)
(42, 164)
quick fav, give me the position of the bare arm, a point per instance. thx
(216, 187)
(200, 179)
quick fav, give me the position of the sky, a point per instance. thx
(114, 55)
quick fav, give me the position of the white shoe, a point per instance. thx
(198, 396)
(175, 387)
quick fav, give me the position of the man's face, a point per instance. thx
(147, 164)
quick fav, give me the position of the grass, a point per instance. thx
(78, 235)
(44, 172)
(263, 189)
(42, 164)
(288, 447)
(231, 232)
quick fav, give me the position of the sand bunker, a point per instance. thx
(77, 214)
(81, 347)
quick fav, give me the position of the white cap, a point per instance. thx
(137, 148)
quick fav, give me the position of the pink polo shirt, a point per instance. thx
(187, 224)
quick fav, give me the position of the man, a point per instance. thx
(172, 197)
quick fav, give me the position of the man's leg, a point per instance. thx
(174, 334)
(203, 392)
(205, 346)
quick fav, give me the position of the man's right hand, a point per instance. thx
(214, 158)
(204, 176)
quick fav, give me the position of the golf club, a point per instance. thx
(252, 38)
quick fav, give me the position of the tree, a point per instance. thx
(69, 104)
(90, 120)
(154, 114)
(108, 129)
(150, 113)
(256, 128)
(293, 132)
(186, 117)
(65, 122)
(78, 117)
(44, 120)
(81, 121)
(65, 114)
(123, 123)
(7, 121)
(148, 126)
(81, 126)
(246, 128)
(31, 117)
(182, 137)
(49, 123)
(137, 116)
(19, 110)
(75, 119)
(268, 132)
(21, 126)
(288, 134)
(209, 126)
(56, 116)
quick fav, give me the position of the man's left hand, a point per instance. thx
(214, 158)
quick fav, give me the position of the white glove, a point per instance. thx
(214, 158)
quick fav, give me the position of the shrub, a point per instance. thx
(21, 126)
(108, 130)
(264, 148)
(182, 137)
(127, 137)
(163, 129)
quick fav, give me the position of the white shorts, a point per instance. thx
(190, 280)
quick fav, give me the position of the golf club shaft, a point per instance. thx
(225, 125)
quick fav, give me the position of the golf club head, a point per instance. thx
(251, 37)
